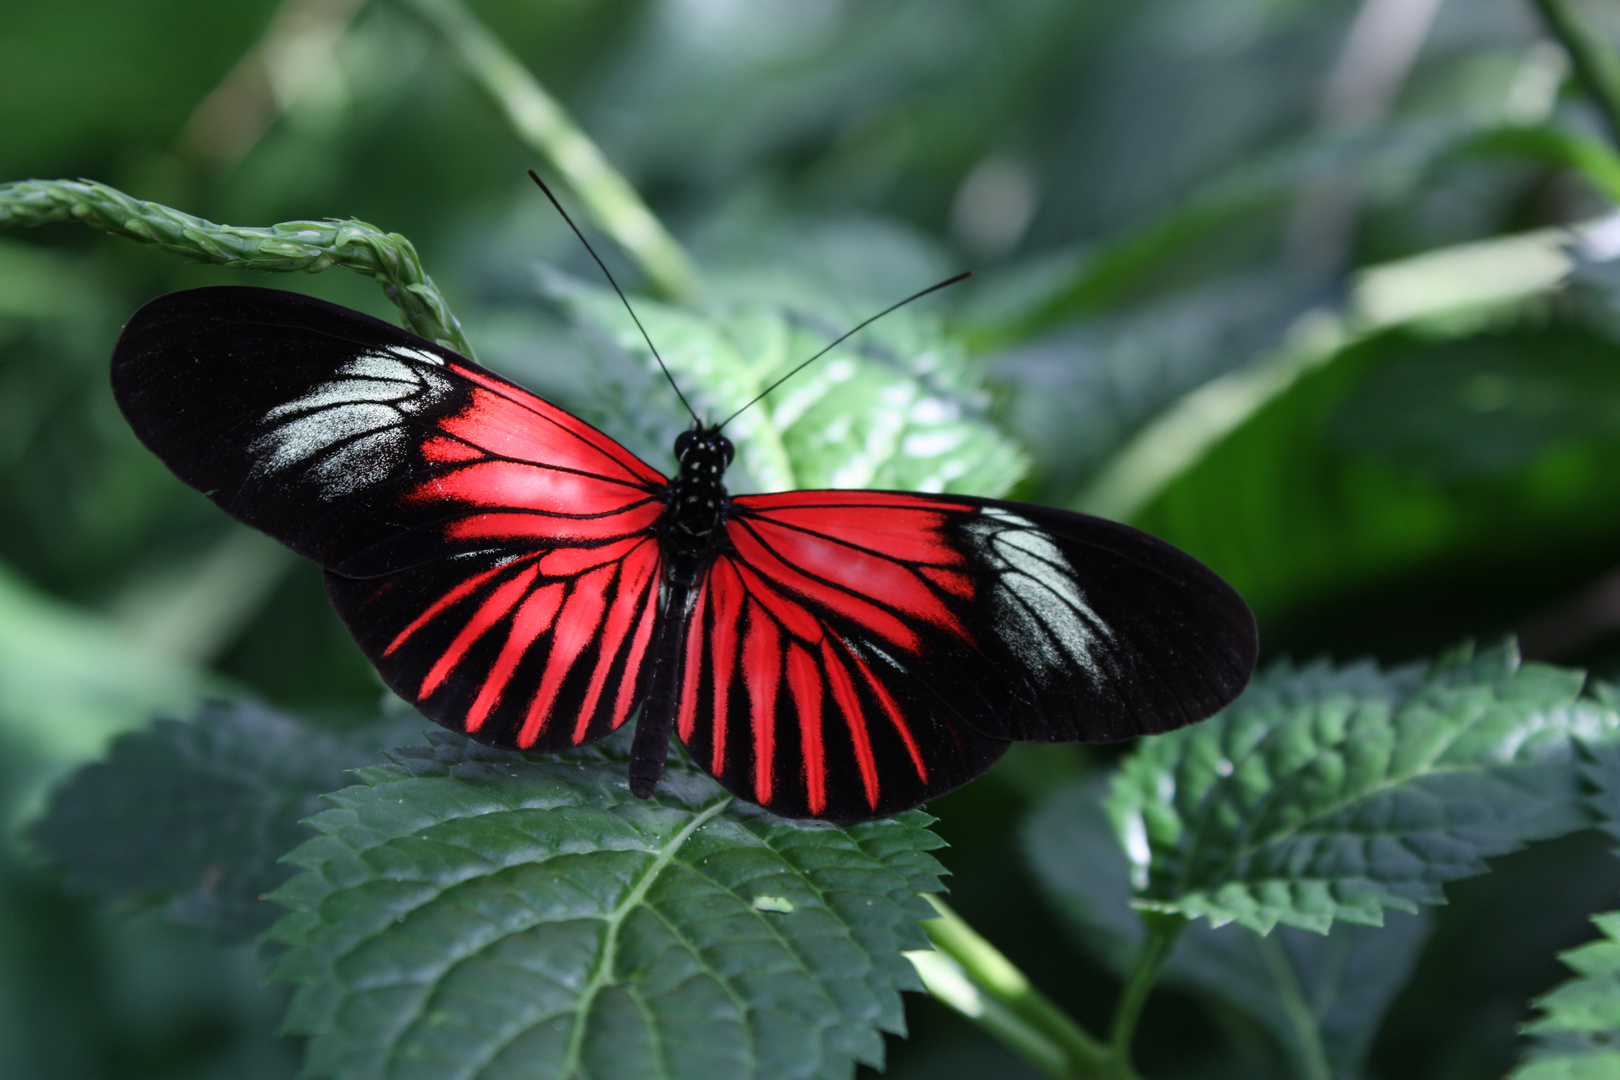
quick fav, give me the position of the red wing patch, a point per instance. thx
(542, 651)
(508, 421)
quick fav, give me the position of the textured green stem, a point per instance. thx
(541, 122)
(1596, 64)
(972, 976)
(310, 246)
(1162, 931)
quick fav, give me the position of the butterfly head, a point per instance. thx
(703, 450)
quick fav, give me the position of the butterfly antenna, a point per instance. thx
(863, 324)
(622, 298)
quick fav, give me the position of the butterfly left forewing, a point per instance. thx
(360, 445)
(492, 554)
(1108, 633)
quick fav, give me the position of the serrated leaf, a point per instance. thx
(1330, 793)
(1321, 997)
(195, 814)
(1602, 771)
(472, 913)
(898, 407)
(1577, 1037)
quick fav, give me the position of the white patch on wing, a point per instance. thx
(338, 393)
(354, 420)
(1038, 608)
(423, 355)
(310, 434)
(366, 460)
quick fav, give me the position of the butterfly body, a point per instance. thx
(521, 577)
(691, 533)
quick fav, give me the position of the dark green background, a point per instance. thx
(1191, 199)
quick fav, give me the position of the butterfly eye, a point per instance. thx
(727, 449)
(683, 443)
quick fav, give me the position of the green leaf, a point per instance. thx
(1588, 153)
(899, 406)
(1320, 997)
(1483, 406)
(195, 814)
(1330, 793)
(1347, 481)
(472, 913)
(1577, 1037)
(69, 681)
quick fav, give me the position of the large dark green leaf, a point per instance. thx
(1452, 411)
(1327, 794)
(466, 912)
(196, 814)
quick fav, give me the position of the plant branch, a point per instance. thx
(1596, 64)
(541, 122)
(974, 978)
(310, 246)
(1162, 930)
(1296, 1008)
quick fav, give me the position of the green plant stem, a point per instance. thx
(1313, 1060)
(310, 246)
(1162, 931)
(972, 976)
(541, 122)
(1596, 64)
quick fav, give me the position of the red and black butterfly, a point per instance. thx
(523, 578)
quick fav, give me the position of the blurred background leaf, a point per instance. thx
(194, 815)
(1266, 215)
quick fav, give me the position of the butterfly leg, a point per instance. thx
(650, 749)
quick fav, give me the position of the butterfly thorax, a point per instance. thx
(696, 504)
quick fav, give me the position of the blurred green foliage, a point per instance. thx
(1245, 275)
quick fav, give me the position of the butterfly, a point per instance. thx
(523, 578)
